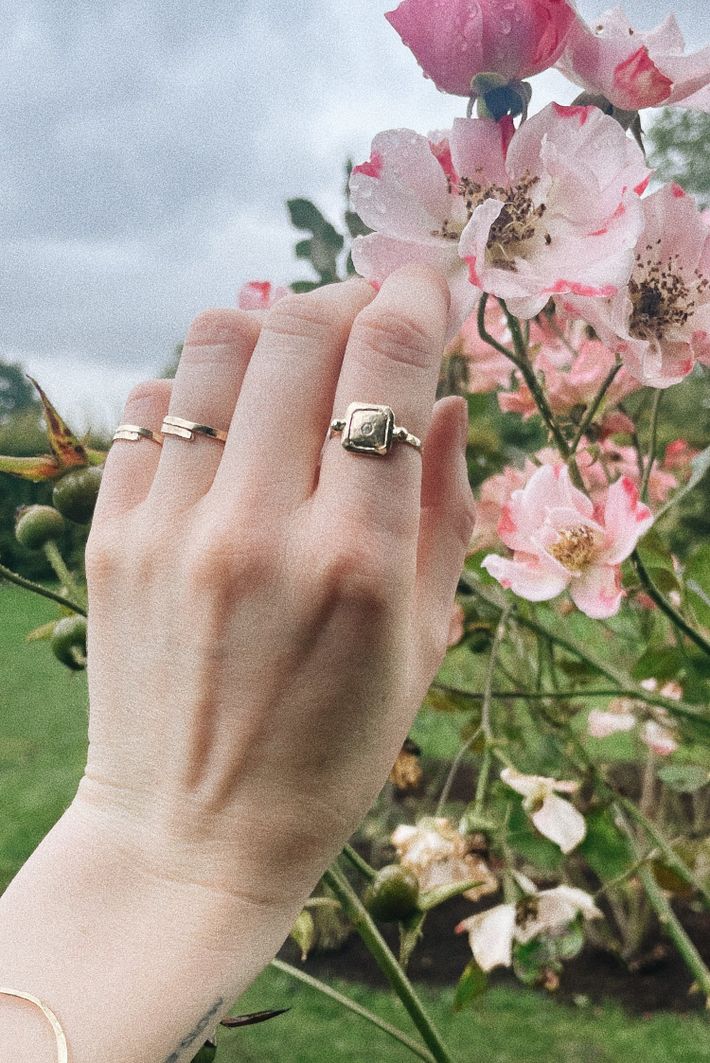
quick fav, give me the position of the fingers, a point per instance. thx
(393, 357)
(214, 360)
(131, 466)
(285, 403)
(447, 517)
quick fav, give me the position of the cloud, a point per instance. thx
(148, 150)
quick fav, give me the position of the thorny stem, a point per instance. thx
(537, 695)
(665, 606)
(592, 411)
(669, 855)
(386, 961)
(652, 445)
(314, 983)
(37, 588)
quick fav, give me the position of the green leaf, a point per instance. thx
(606, 851)
(305, 215)
(356, 226)
(697, 584)
(654, 552)
(684, 778)
(301, 287)
(659, 662)
(472, 984)
(303, 249)
(700, 465)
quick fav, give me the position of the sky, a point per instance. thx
(148, 148)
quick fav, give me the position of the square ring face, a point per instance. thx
(368, 429)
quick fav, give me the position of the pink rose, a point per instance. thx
(660, 322)
(507, 212)
(562, 541)
(454, 40)
(633, 68)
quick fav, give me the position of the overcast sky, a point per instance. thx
(147, 149)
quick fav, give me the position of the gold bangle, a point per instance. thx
(63, 1056)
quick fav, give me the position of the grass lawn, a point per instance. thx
(42, 752)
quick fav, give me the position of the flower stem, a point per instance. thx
(592, 411)
(455, 765)
(37, 588)
(359, 863)
(314, 983)
(386, 961)
(61, 571)
(652, 445)
(665, 606)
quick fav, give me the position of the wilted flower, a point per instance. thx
(633, 68)
(516, 217)
(491, 934)
(260, 295)
(659, 739)
(554, 817)
(561, 541)
(439, 855)
(454, 40)
(660, 322)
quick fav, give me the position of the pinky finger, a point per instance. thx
(131, 466)
(447, 518)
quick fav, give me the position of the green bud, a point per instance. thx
(38, 525)
(69, 642)
(76, 493)
(393, 894)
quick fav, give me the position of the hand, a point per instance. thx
(263, 629)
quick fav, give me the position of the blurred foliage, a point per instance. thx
(677, 144)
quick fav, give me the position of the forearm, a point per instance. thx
(137, 970)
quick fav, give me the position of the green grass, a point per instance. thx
(42, 752)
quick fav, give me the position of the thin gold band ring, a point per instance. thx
(134, 432)
(178, 426)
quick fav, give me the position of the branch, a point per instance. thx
(592, 411)
(37, 588)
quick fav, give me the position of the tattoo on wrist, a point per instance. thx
(190, 1038)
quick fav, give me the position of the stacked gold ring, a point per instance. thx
(177, 426)
(134, 432)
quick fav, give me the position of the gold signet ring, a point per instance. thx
(134, 432)
(371, 429)
(177, 426)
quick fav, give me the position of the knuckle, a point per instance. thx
(397, 337)
(228, 565)
(148, 391)
(356, 575)
(103, 555)
(218, 326)
(299, 317)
